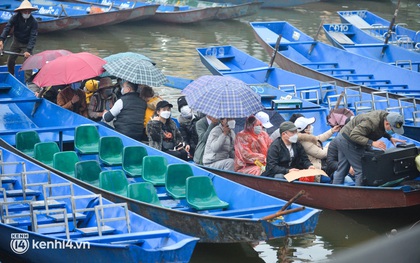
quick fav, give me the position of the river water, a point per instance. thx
(172, 47)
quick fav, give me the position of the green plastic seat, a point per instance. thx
(26, 140)
(44, 152)
(176, 179)
(111, 150)
(144, 192)
(132, 163)
(201, 194)
(88, 171)
(154, 169)
(65, 161)
(114, 181)
(86, 139)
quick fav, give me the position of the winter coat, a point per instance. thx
(313, 146)
(219, 146)
(155, 133)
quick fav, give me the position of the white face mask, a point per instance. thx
(123, 91)
(231, 124)
(165, 114)
(293, 138)
(26, 16)
(186, 112)
(257, 129)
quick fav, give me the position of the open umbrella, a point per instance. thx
(128, 54)
(68, 69)
(40, 59)
(222, 97)
(136, 70)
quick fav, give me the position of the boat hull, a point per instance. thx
(271, 3)
(236, 11)
(185, 17)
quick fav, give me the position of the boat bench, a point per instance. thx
(249, 70)
(318, 64)
(389, 86)
(5, 87)
(125, 237)
(217, 64)
(336, 70)
(341, 38)
(349, 76)
(363, 81)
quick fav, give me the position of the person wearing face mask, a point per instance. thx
(187, 120)
(103, 99)
(25, 31)
(362, 133)
(219, 150)
(73, 98)
(313, 144)
(251, 146)
(128, 112)
(163, 133)
(286, 154)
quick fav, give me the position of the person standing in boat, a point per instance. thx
(203, 128)
(362, 133)
(219, 151)
(25, 31)
(286, 154)
(73, 98)
(103, 99)
(251, 146)
(128, 112)
(163, 133)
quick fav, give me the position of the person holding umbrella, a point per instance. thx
(25, 31)
(128, 112)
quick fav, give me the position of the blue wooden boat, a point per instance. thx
(40, 209)
(272, 87)
(354, 40)
(303, 55)
(242, 221)
(270, 3)
(378, 27)
(46, 24)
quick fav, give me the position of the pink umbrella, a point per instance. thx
(40, 59)
(68, 69)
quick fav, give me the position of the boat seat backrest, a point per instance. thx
(201, 194)
(88, 171)
(132, 162)
(26, 140)
(65, 161)
(114, 181)
(176, 179)
(44, 152)
(111, 150)
(144, 192)
(154, 169)
(86, 139)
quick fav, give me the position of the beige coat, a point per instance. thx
(313, 148)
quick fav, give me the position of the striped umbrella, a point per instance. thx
(138, 71)
(222, 97)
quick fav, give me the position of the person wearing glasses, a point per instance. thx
(362, 133)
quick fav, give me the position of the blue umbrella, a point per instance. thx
(222, 97)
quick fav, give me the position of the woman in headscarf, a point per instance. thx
(251, 146)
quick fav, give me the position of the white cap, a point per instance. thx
(301, 123)
(264, 119)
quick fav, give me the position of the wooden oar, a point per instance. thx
(283, 210)
(391, 25)
(2, 52)
(316, 37)
(273, 57)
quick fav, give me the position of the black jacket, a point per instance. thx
(278, 158)
(24, 30)
(332, 157)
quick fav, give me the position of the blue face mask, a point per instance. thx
(390, 132)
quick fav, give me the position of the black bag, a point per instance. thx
(380, 167)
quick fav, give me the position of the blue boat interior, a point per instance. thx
(246, 203)
(37, 200)
(299, 47)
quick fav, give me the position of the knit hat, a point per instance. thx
(181, 102)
